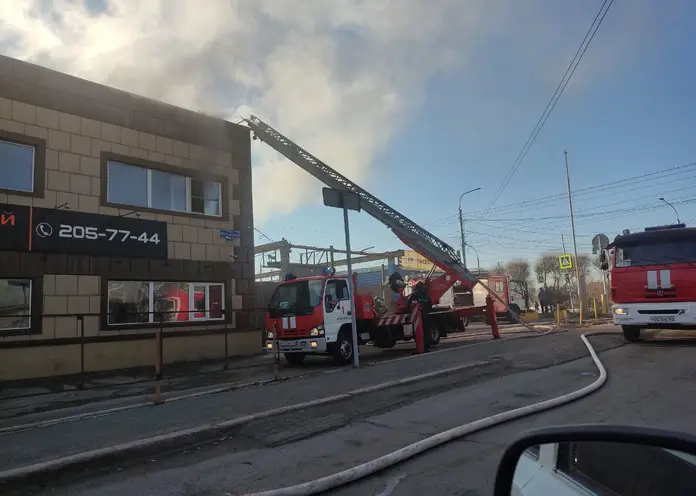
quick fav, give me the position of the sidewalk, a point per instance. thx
(41, 445)
(22, 398)
(44, 400)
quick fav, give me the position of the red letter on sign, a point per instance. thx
(7, 219)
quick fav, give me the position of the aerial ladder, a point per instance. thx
(411, 234)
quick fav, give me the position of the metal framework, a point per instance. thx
(411, 233)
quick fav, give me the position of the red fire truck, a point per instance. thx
(653, 279)
(312, 314)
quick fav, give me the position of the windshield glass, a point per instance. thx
(290, 295)
(656, 254)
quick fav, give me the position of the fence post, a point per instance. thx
(158, 361)
(224, 323)
(81, 324)
(594, 306)
(558, 314)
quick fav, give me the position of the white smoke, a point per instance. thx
(337, 76)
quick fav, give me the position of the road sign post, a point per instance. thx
(347, 201)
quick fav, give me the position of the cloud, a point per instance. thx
(338, 76)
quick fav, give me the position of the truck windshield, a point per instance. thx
(670, 252)
(294, 295)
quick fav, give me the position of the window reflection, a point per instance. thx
(15, 304)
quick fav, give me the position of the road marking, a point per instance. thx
(392, 485)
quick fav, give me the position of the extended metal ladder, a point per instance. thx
(422, 241)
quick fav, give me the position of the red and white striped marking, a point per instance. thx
(393, 320)
(415, 317)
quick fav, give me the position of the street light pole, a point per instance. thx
(675, 210)
(461, 225)
(572, 227)
(478, 261)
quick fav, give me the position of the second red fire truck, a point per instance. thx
(653, 279)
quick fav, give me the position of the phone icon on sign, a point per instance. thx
(44, 230)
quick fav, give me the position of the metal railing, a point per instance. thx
(161, 326)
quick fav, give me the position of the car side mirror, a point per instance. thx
(604, 458)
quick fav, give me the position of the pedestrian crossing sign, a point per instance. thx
(565, 261)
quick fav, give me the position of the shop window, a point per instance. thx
(174, 301)
(142, 187)
(16, 166)
(15, 304)
(129, 302)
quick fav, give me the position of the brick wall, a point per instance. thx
(74, 147)
(82, 124)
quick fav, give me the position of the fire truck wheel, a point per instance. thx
(343, 347)
(631, 333)
(295, 358)
(434, 335)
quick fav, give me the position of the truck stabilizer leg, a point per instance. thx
(417, 322)
(492, 320)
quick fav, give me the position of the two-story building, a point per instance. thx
(118, 215)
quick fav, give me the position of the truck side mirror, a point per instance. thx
(603, 263)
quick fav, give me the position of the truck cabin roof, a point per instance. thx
(654, 237)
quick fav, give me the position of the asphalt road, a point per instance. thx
(651, 383)
(315, 442)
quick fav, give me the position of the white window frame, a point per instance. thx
(31, 288)
(191, 303)
(149, 191)
(33, 167)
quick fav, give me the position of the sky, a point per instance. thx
(415, 101)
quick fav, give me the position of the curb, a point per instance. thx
(124, 408)
(195, 434)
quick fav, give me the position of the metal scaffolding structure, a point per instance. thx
(312, 259)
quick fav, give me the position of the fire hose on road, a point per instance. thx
(371, 467)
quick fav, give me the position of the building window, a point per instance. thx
(17, 166)
(137, 186)
(15, 304)
(134, 302)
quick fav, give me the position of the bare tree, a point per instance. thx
(499, 270)
(547, 267)
(520, 276)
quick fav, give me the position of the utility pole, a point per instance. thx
(461, 225)
(461, 232)
(572, 227)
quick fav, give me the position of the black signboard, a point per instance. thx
(14, 227)
(65, 231)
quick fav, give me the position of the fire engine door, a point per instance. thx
(336, 307)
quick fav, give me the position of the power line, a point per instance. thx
(590, 192)
(603, 187)
(589, 36)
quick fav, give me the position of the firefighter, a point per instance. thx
(420, 295)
